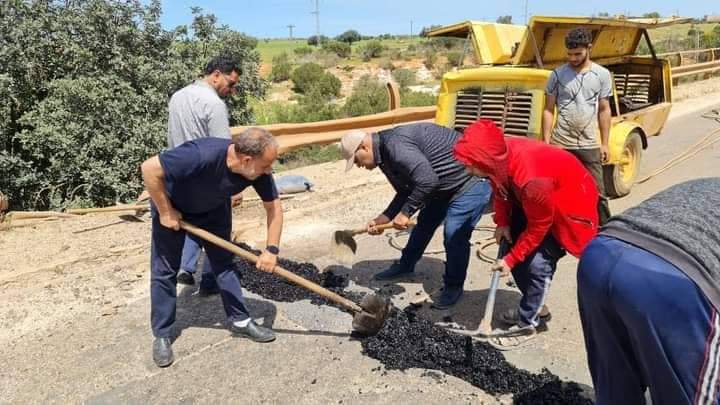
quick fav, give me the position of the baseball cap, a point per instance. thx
(349, 144)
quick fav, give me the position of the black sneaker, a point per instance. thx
(512, 317)
(253, 331)
(162, 352)
(396, 270)
(449, 297)
(185, 277)
(206, 292)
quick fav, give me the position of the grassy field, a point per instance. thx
(273, 47)
(663, 37)
(269, 48)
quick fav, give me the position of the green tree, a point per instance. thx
(84, 87)
(504, 19)
(349, 36)
(653, 14)
(316, 41)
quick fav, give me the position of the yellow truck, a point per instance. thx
(513, 63)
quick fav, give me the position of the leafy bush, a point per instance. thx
(455, 59)
(430, 58)
(416, 99)
(369, 96)
(329, 85)
(306, 75)
(386, 64)
(326, 59)
(303, 51)
(311, 76)
(307, 155)
(404, 77)
(371, 49)
(441, 70)
(446, 42)
(83, 102)
(349, 36)
(281, 68)
(341, 49)
(315, 40)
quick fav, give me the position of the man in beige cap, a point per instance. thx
(418, 161)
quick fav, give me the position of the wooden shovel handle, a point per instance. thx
(115, 208)
(287, 275)
(382, 227)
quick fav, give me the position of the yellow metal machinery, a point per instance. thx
(510, 89)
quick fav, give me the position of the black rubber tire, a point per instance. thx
(617, 184)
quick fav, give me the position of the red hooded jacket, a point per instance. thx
(557, 194)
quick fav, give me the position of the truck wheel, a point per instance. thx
(619, 178)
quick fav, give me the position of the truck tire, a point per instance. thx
(620, 178)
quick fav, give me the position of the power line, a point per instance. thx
(290, 27)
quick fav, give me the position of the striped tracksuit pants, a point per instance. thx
(646, 326)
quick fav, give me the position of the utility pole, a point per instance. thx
(317, 20)
(411, 29)
(290, 27)
(526, 13)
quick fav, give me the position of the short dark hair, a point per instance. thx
(224, 64)
(578, 38)
(253, 141)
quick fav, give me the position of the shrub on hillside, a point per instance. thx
(371, 49)
(386, 64)
(303, 51)
(417, 99)
(404, 77)
(455, 58)
(341, 49)
(369, 96)
(281, 68)
(311, 76)
(430, 58)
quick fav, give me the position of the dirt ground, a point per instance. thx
(74, 310)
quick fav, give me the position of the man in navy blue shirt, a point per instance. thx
(194, 182)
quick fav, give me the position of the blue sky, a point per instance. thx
(269, 18)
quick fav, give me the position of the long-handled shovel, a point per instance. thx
(368, 316)
(484, 330)
(343, 245)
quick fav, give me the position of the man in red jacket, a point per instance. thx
(545, 205)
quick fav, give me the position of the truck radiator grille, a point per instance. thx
(509, 110)
(636, 87)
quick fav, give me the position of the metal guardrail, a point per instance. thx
(705, 68)
(292, 136)
(690, 57)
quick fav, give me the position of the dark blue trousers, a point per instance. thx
(190, 255)
(534, 274)
(460, 216)
(166, 251)
(646, 325)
